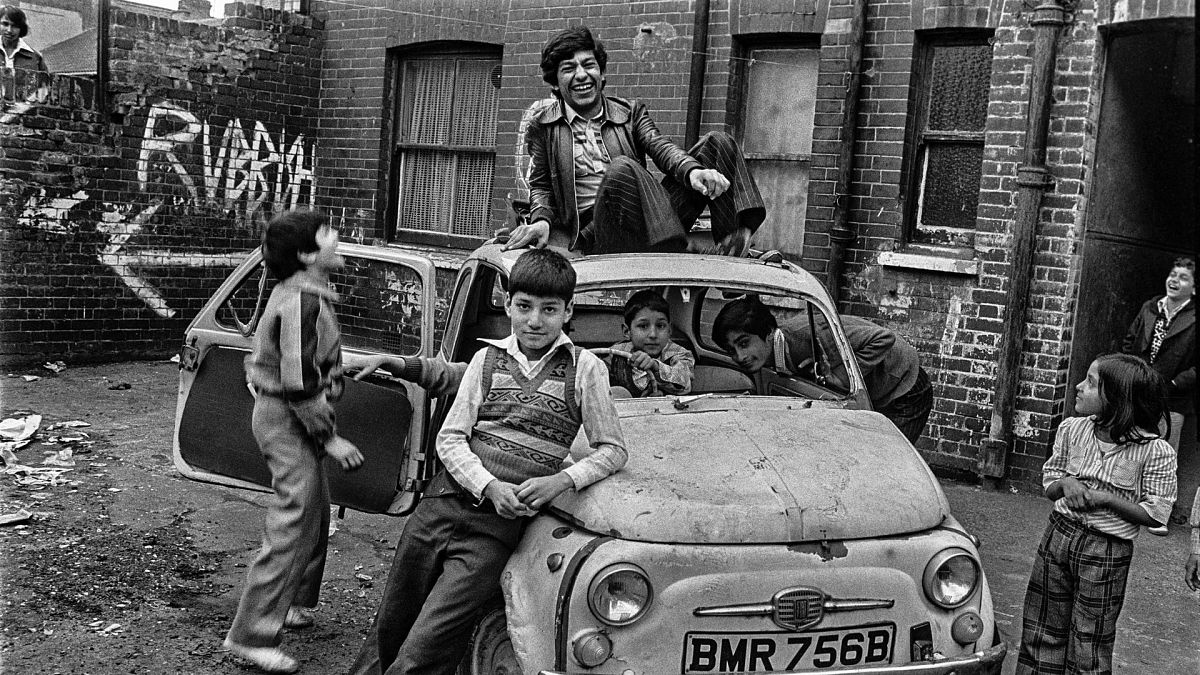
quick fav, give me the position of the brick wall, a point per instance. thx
(117, 224)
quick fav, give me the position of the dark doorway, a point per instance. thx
(1141, 212)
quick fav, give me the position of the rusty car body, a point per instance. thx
(762, 524)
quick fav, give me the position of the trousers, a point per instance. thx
(445, 575)
(636, 213)
(291, 562)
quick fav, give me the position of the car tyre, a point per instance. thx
(490, 651)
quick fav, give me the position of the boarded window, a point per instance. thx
(951, 77)
(779, 95)
(444, 152)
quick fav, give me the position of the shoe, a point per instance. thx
(270, 659)
(299, 617)
(1160, 530)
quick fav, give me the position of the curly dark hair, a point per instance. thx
(563, 46)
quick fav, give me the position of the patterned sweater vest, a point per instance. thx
(525, 427)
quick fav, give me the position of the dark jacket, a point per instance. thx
(888, 363)
(627, 130)
(27, 58)
(1176, 356)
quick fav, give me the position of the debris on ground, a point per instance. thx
(120, 386)
(19, 516)
(63, 457)
(20, 428)
(55, 366)
(31, 378)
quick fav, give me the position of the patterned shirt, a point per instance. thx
(591, 157)
(606, 451)
(1165, 316)
(1143, 473)
(672, 371)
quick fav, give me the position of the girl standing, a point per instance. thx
(1109, 474)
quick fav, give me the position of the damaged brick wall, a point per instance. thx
(119, 223)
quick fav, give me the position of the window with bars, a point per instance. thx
(951, 77)
(444, 146)
(778, 96)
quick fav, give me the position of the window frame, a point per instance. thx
(916, 134)
(397, 108)
(739, 100)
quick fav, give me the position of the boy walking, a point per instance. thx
(295, 371)
(521, 402)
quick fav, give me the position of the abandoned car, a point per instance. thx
(763, 524)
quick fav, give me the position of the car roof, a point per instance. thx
(655, 269)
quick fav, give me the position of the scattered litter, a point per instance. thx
(120, 386)
(59, 458)
(55, 366)
(114, 489)
(96, 624)
(31, 378)
(110, 629)
(73, 424)
(363, 577)
(18, 429)
(20, 516)
(174, 359)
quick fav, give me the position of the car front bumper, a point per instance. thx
(986, 662)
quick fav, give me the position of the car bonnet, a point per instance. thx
(759, 470)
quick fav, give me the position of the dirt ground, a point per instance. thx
(126, 567)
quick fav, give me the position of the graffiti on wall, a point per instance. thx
(242, 166)
(238, 168)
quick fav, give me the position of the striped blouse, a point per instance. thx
(1142, 473)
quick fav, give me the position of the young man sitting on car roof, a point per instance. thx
(589, 189)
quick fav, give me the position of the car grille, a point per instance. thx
(798, 608)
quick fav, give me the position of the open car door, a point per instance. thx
(386, 306)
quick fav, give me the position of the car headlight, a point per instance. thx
(620, 594)
(951, 578)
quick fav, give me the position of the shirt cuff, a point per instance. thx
(1196, 541)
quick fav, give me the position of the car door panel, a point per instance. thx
(386, 307)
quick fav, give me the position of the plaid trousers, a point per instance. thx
(1074, 598)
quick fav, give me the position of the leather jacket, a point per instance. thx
(627, 130)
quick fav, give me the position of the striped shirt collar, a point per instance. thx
(571, 115)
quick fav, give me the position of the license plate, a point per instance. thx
(721, 653)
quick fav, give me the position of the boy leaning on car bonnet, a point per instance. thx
(519, 407)
(294, 372)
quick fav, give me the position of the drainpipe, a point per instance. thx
(102, 49)
(695, 104)
(1033, 179)
(841, 232)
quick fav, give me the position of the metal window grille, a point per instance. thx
(445, 145)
